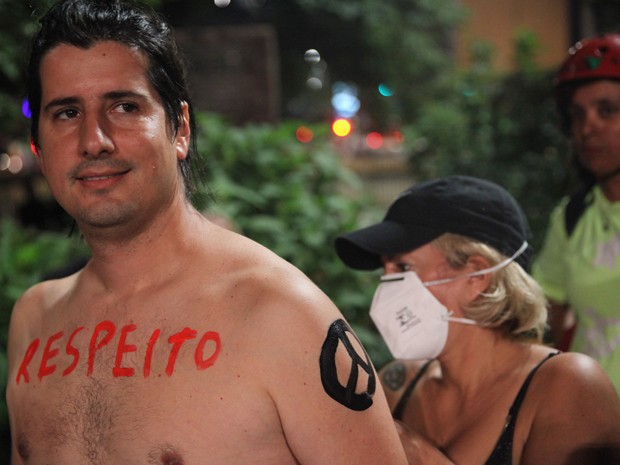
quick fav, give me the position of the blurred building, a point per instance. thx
(557, 24)
(498, 22)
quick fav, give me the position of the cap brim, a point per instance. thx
(362, 249)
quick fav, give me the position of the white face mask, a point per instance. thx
(413, 323)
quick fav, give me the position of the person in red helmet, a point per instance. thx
(579, 264)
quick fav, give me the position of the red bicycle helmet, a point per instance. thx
(593, 58)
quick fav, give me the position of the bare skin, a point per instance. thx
(180, 342)
(459, 407)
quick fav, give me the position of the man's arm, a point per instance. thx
(329, 399)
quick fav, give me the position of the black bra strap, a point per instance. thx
(397, 414)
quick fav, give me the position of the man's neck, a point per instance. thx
(131, 258)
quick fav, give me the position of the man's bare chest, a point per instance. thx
(162, 386)
(118, 348)
(163, 420)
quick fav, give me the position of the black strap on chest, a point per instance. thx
(575, 208)
(397, 414)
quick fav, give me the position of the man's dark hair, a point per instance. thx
(83, 23)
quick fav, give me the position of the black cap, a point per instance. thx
(463, 205)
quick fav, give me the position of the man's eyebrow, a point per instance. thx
(120, 94)
(58, 102)
(112, 95)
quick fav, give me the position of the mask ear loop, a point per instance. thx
(503, 263)
(500, 265)
(465, 321)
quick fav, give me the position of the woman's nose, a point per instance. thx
(389, 266)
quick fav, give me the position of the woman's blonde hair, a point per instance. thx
(513, 303)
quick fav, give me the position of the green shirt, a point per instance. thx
(583, 271)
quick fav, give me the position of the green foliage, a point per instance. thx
(17, 23)
(294, 199)
(501, 127)
(409, 41)
(25, 257)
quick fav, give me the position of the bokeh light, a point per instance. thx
(26, 109)
(5, 161)
(344, 100)
(341, 127)
(304, 134)
(312, 56)
(374, 140)
(314, 83)
(385, 90)
(15, 164)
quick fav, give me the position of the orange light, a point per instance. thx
(341, 127)
(304, 134)
(374, 140)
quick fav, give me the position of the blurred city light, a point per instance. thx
(304, 134)
(374, 140)
(26, 109)
(15, 164)
(312, 56)
(385, 90)
(5, 161)
(314, 83)
(344, 100)
(341, 127)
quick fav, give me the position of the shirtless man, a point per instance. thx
(180, 342)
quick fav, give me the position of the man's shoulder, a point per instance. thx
(261, 284)
(34, 302)
(43, 293)
(256, 268)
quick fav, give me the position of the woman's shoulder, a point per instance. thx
(573, 385)
(571, 370)
(570, 406)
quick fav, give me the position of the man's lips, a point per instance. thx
(99, 170)
(99, 177)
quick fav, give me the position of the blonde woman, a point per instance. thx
(472, 384)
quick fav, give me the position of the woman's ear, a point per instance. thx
(479, 283)
(183, 135)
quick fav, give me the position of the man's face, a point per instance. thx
(595, 126)
(104, 143)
